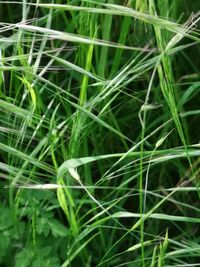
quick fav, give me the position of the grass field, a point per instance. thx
(99, 133)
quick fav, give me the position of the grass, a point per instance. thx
(99, 135)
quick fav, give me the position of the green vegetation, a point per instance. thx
(99, 133)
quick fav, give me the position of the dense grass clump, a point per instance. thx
(99, 133)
